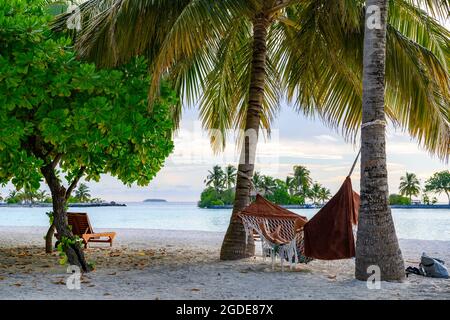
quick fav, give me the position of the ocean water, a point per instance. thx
(426, 224)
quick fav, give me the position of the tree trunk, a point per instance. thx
(377, 242)
(75, 255)
(49, 238)
(234, 245)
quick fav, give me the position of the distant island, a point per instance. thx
(70, 205)
(155, 200)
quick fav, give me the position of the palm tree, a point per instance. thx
(409, 185)
(439, 183)
(257, 181)
(324, 195)
(268, 185)
(314, 192)
(302, 180)
(215, 178)
(230, 176)
(41, 195)
(291, 185)
(28, 196)
(13, 196)
(377, 242)
(238, 56)
(82, 193)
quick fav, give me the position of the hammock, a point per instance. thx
(329, 235)
(276, 227)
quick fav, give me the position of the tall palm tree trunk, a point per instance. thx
(377, 242)
(235, 245)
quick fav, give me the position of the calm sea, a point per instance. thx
(426, 224)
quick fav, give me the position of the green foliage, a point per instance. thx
(50, 217)
(211, 197)
(314, 55)
(279, 193)
(425, 199)
(295, 190)
(64, 243)
(439, 183)
(216, 178)
(399, 200)
(82, 193)
(53, 106)
(227, 196)
(409, 185)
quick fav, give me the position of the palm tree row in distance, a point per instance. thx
(438, 183)
(294, 190)
(28, 197)
(298, 187)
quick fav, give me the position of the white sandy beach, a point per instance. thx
(162, 264)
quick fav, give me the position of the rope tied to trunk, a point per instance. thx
(248, 178)
(373, 123)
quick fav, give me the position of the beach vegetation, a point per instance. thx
(291, 191)
(62, 119)
(409, 185)
(439, 183)
(397, 199)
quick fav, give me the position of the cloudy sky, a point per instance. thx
(295, 140)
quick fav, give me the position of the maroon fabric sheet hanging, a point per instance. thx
(329, 234)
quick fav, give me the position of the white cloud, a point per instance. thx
(326, 138)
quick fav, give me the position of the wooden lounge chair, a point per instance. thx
(82, 227)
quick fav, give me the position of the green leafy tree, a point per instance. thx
(210, 197)
(439, 183)
(409, 185)
(82, 193)
(61, 119)
(279, 194)
(399, 199)
(13, 197)
(216, 178)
